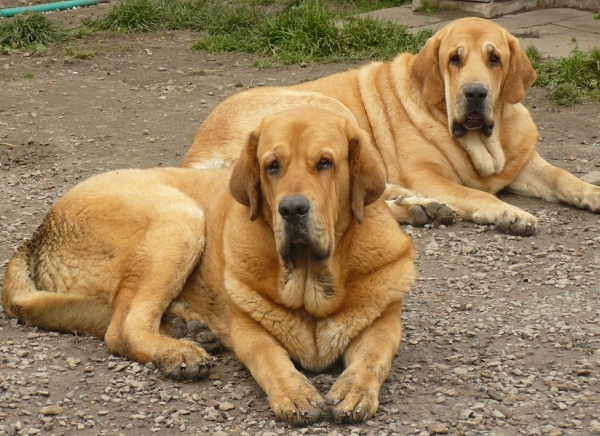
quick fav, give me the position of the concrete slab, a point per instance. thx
(556, 41)
(483, 8)
(551, 31)
(540, 17)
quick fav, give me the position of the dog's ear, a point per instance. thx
(367, 175)
(426, 71)
(245, 177)
(521, 75)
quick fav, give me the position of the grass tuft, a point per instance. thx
(310, 32)
(131, 16)
(569, 79)
(72, 52)
(27, 30)
(565, 94)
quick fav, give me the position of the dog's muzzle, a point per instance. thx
(298, 233)
(475, 112)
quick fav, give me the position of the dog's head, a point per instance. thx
(475, 65)
(307, 173)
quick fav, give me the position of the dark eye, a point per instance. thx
(324, 164)
(494, 60)
(455, 60)
(273, 168)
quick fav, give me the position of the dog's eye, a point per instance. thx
(494, 60)
(324, 164)
(273, 168)
(455, 60)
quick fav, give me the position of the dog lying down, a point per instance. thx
(295, 258)
(447, 123)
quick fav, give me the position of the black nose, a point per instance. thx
(476, 94)
(294, 208)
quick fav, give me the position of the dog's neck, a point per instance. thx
(485, 152)
(307, 283)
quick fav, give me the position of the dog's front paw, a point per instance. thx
(187, 362)
(355, 397)
(518, 223)
(297, 401)
(418, 211)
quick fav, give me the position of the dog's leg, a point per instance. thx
(155, 276)
(368, 358)
(474, 205)
(542, 180)
(409, 207)
(69, 313)
(291, 396)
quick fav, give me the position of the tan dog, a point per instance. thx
(307, 266)
(447, 123)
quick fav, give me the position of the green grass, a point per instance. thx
(29, 30)
(310, 32)
(428, 7)
(72, 52)
(131, 16)
(569, 79)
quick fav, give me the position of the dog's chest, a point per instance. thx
(311, 289)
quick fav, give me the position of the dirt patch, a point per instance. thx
(502, 333)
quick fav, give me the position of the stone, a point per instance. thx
(225, 406)
(51, 410)
(439, 428)
(593, 178)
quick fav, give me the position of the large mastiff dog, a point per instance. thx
(447, 123)
(299, 261)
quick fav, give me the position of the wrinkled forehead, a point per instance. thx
(484, 37)
(302, 137)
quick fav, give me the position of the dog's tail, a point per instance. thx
(68, 313)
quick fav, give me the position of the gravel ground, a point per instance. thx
(501, 333)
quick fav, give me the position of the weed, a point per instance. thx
(72, 52)
(131, 16)
(28, 76)
(310, 32)
(565, 94)
(219, 18)
(429, 8)
(263, 64)
(533, 54)
(26, 30)
(569, 79)
(529, 33)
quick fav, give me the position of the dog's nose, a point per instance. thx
(294, 208)
(476, 94)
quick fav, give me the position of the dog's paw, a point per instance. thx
(207, 338)
(518, 223)
(440, 213)
(354, 397)
(297, 401)
(186, 362)
(418, 211)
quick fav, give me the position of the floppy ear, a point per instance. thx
(367, 175)
(521, 74)
(244, 183)
(426, 71)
